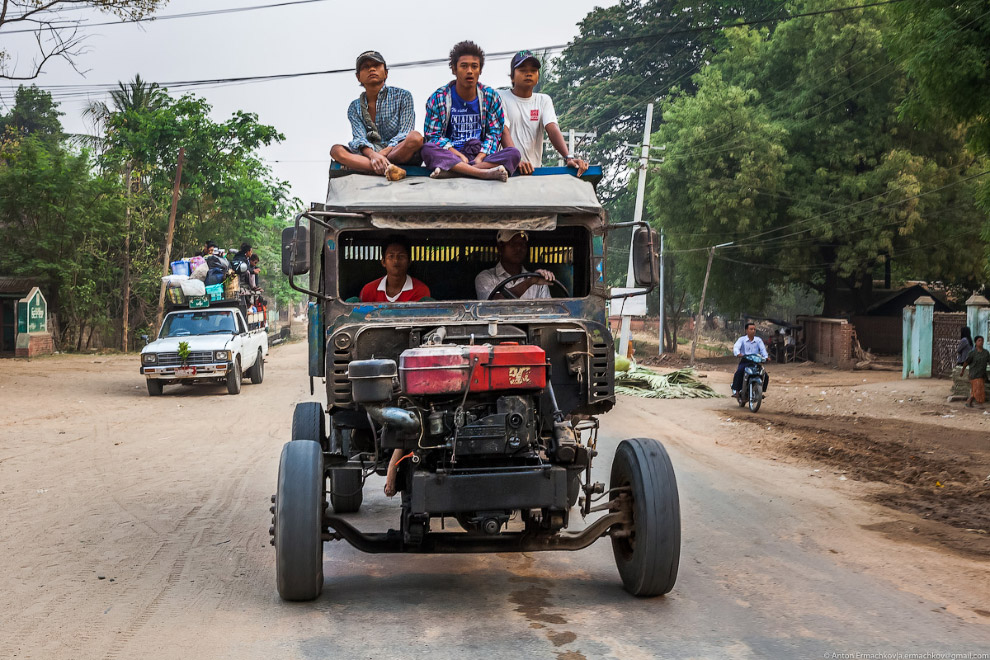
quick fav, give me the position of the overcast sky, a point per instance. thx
(310, 111)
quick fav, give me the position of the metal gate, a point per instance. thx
(945, 338)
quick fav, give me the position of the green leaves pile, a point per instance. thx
(680, 384)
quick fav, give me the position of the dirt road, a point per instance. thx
(138, 528)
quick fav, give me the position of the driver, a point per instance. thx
(397, 285)
(513, 248)
(748, 344)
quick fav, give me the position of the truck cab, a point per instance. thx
(489, 405)
(214, 344)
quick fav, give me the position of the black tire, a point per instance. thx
(648, 560)
(309, 422)
(299, 521)
(741, 396)
(755, 395)
(346, 490)
(155, 387)
(234, 378)
(258, 369)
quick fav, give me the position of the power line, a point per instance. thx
(152, 19)
(70, 91)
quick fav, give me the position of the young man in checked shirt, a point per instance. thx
(382, 120)
(464, 123)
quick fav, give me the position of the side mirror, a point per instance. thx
(295, 239)
(145, 338)
(646, 268)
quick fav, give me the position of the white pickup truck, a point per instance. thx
(213, 344)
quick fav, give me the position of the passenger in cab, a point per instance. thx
(382, 121)
(397, 285)
(513, 248)
(528, 114)
(464, 123)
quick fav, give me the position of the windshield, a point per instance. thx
(446, 265)
(183, 324)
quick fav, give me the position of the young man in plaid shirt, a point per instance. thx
(464, 123)
(382, 121)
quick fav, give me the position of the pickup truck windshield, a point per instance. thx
(182, 324)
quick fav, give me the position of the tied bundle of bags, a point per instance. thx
(179, 288)
(209, 270)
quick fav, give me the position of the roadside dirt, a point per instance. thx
(924, 456)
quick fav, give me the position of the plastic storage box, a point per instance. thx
(215, 291)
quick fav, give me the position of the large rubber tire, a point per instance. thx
(299, 521)
(755, 394)
(258, 369)
(234, 378)
(346, 490)
(648, 560)
(309, 423)
(155, 387)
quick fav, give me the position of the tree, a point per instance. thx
(57, 222)
(792, 147)
(628, 55)
(129, 102)
(34, 113)
(53, 29)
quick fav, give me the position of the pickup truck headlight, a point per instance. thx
(221, 356)
(149, 358)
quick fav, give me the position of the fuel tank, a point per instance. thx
(449, 368)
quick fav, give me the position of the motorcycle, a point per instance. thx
(752, 387)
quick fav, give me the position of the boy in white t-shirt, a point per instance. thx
(528, 114)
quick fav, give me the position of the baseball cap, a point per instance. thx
(506, 235)
(523, 56)
(373, 55)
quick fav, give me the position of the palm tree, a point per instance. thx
(137, 96)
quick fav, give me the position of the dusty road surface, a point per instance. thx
(138, 528)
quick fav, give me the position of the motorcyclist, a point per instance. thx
(748, 344)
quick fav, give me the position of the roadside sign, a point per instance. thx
(631, 306)
(32, 312)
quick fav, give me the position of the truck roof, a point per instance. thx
(519, 196)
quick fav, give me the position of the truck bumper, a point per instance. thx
(215, 370)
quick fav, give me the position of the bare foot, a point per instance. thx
(441, 174)
(390, 481)
(495, 174)
(394, 173)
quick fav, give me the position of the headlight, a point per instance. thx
(149, 358)
(221, 356)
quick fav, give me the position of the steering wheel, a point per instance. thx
(501, 286)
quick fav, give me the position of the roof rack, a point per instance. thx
(593, 174)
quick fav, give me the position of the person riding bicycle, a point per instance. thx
(748, 344)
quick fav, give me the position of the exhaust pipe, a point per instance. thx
(397, 418)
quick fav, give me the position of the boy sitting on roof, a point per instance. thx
(528, 114)
(464, 122)
(382, 121)
(397, 285)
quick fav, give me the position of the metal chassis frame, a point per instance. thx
(458, 542)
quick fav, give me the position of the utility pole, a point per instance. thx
(624, 331)
(168, 237)
(704, 289)
(661, 293)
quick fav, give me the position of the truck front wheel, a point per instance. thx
(155, 387)
(234, 378)
(298, 529)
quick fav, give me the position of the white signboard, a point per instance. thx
(631, 306)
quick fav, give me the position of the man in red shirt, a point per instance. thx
(397, 285)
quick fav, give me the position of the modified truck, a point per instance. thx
(489, 405)
(214, 344)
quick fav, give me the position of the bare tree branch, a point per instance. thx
(58, 36)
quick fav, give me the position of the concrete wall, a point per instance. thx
(33, 344)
